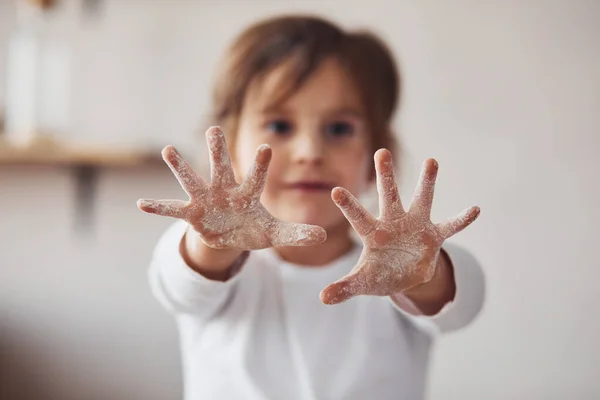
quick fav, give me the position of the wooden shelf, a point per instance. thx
(85, 163)
(49, 153)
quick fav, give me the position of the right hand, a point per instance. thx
(228, 215)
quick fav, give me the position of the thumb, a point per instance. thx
(341, 290)
(290, 234)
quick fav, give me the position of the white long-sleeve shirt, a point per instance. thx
(264, 334)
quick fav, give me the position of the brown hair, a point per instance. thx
(307, 41)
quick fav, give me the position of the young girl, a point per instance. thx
(262, 249)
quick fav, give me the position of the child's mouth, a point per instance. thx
(308, 186)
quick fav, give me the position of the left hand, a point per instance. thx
(400, 247)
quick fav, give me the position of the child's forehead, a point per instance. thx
(328, 85)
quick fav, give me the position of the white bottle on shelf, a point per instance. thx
(38, 77)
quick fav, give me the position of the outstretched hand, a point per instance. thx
(400, 247)
(228, 215)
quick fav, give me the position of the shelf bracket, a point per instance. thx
(86, 182)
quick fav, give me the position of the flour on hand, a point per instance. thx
(401, 247)
(228, 215)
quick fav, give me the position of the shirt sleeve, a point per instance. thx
(177, 287)
(468, 300)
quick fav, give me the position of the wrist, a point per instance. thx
(431, 296)
(212, 263)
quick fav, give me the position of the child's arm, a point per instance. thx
(469, 282)
(225, 218)
(212, 263)
(401, 252)
(430, 297)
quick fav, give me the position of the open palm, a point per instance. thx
(400, 247)
(228, 215)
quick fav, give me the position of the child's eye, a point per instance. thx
(339, 129)
(279, 127)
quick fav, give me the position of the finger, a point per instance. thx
(166, 208)
(221, 173)
(189, 180)
(361, 220)
(257, 176)
(290, 234)
(423, 195)
(390, 205)
(341, 290)
(458, 223)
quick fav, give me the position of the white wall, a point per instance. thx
(6, 24)
(505, 94)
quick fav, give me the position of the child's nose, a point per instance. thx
(308, 149)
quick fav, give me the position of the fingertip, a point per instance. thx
(338, 195)
(335, 293)
(311, 235)
(213, 135)
(213, 130)
(325, 298)
(263, 153)
(431, 164)
(320, 234)
(144, 205)
(167, 150)
(172, 157)
(383, 155)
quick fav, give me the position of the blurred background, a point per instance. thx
(504, 94)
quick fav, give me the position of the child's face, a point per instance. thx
(319, 140)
